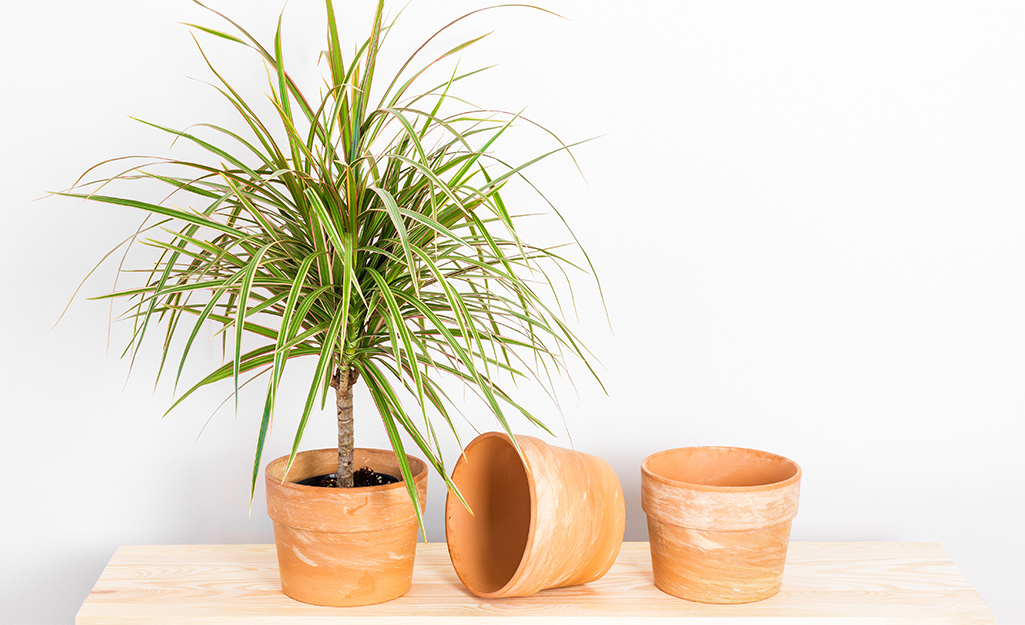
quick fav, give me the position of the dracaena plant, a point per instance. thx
(365, 230)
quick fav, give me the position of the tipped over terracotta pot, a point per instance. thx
(550, 517)
(719, 521)
(344, 546)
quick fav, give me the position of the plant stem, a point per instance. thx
(343, 380)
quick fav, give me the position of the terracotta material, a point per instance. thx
(719, 521)
(549, 518)
(343, 546)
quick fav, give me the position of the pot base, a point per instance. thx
(336, 569)
(718, 567)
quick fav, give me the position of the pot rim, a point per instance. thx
(647, 473)
(418, 466)
(531, 531)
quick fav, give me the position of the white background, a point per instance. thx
(808, 219)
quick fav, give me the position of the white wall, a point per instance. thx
(808, 219)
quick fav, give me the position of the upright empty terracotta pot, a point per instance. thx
(719, 521)
(549, 518)
(343, 546)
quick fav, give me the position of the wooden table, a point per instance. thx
(853, 583)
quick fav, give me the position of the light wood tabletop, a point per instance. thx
(856, 583)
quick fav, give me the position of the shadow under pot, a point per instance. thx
(548, 518)
(719, 521)
(344, 546)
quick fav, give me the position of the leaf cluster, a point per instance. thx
(368, 234)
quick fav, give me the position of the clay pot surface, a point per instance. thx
(549, 518)
(719, 521)
(343, 546)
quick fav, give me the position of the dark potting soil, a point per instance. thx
(364, 476)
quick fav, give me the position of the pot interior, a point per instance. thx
(721, 466)
(490, 543)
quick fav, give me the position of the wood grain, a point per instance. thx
(853, 583)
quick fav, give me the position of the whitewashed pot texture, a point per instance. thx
(344, 546)
(719, 521)
(545, 518)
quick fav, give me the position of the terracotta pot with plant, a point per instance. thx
(365, 230)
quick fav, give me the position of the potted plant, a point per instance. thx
(365, 230)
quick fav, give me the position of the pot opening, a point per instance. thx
(490, 543)
(314, 464)
(722, 466)
(361, 477)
